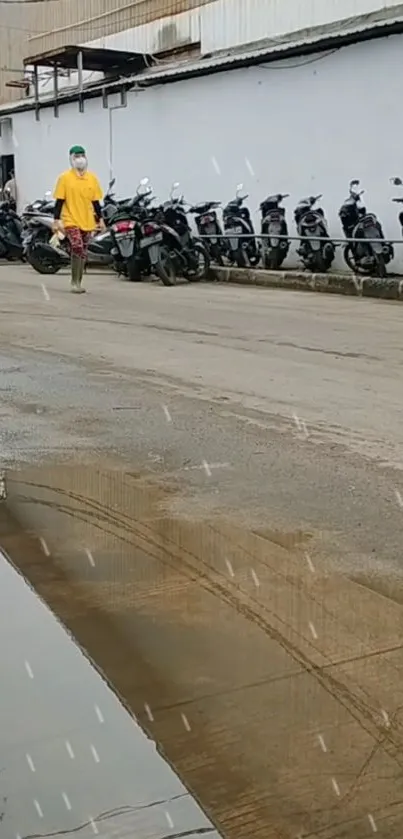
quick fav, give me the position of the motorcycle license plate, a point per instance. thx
(233, 242)
(315, 231)
(274, 228)
(372, 233)
(154, 254)
(151, 240)
(125, 244)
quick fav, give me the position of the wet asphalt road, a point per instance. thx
(268, 425)
(236, 370)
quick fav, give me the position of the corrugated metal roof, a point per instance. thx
(348, 31)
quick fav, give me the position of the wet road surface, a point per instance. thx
(72, 758)
(273, 688)
(237, 473)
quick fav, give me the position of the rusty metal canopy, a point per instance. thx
(95, 59)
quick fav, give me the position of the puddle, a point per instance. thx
(271, 688)
(72, 758)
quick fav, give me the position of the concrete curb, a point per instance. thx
(388, 289)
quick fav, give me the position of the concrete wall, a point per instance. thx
(301, 126)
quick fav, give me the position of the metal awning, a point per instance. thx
(113, 63)
(94, 59)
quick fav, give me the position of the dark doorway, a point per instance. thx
(6, 167)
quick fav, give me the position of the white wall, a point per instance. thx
(6, 139)
(303, 130)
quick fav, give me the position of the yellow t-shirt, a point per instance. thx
(78, 192)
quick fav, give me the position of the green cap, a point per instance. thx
(77, 150)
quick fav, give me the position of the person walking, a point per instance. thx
(78, 211)
(10, 188)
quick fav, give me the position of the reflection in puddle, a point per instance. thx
(72, 758)
(250, 668)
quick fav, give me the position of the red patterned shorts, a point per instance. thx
(78, 240)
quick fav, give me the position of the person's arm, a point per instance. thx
(97, 196)
(97, 193)
(97, 211)
(58, 209)
(60, 196)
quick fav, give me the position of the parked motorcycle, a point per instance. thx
(37, 222)
(118, 243)
(317, 255)
(209, 227)
(363, 257)
(274, 225)
(238, 223)
(10, 232)
(191, 256)
(398, 182)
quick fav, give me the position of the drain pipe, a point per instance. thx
(111, 110)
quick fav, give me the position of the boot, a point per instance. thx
(77, 267)
(80, 276)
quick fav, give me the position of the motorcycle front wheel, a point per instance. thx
(273, 259)
(240, 258)
(348, 257)
(216, 255)
(254, 259)
(380, 266)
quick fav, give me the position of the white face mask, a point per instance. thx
(79, 163)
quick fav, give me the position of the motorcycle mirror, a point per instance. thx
(48, 194)
(174, 187)
(144, 181)
(239, 189)
(396, 181)
(112, 183)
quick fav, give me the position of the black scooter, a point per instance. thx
(11, 246)
(192, 257)
(209, 227)
(362, 257)
(316, 255)
(238, 227)
(274, 225)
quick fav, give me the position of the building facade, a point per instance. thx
(29, 28)
(288, 111)
(35, 27)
